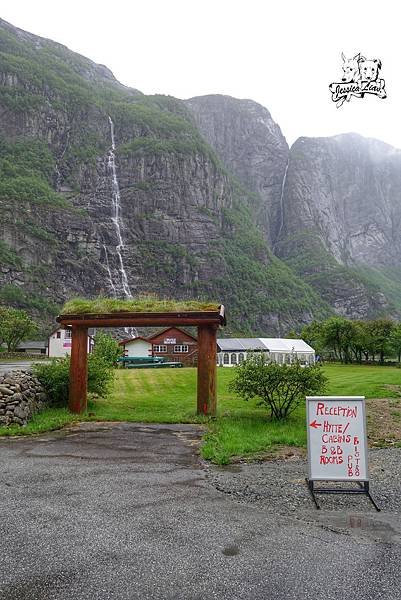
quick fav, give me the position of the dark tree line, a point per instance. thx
(355, 341)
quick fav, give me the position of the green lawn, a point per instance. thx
(240, 429)
(363, 380)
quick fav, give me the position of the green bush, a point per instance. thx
(100, 375)
(280, 388)
(106, 348)
(55, 378)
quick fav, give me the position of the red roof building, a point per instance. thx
(176, 345)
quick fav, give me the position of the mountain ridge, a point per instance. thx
(201, 192)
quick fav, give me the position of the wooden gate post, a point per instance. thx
(78, 369)
(207, 370)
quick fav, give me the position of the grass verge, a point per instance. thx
(241, 429)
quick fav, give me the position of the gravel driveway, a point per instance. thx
(129, 511)
(278, 487)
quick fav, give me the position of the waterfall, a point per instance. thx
(113, 287)
(282, 203)
(116, 211)
(59, 178)
(116, 219)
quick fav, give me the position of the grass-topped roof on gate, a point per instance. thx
(78, 306)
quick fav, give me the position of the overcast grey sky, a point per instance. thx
(282, 54)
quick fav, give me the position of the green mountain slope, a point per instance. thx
(188, 229)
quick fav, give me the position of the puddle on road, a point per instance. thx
(375, 529)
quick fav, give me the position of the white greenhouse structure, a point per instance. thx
(233, 351)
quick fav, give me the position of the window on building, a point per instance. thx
(58, 335)
(233, 359)
(226, 359)
(159, 348)
(67, 334)
(180, 348)
(241, 357)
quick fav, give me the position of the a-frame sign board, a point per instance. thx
(337, 445)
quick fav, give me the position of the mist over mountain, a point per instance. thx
(105, 190)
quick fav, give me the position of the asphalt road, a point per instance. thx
(128, 511)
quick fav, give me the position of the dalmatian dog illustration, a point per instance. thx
(351, 71)
(369, 69)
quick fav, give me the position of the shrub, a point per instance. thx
(280, 388)
(55, 378)
(106, 348)
(100, 375)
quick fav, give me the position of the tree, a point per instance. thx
(380, 331)
(312, 334)
(280, 388)
(15, 326)
(337, 334)
(107, 348)
(395, 341)
(359, 341)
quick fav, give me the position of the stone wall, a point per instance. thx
(21, 395)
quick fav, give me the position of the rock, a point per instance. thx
(6, 390)
(20, 413)
(18, 406)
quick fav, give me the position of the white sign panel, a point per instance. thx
(170, 340)
(337, 445)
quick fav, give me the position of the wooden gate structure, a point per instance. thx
(207, 323)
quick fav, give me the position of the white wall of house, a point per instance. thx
(60, 343)
(138, 347)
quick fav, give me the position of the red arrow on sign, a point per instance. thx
(314, 424)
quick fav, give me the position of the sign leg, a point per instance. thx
(312, 493)
(366, 488)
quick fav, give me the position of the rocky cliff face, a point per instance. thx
(105, 190)
(330, 207)
(251, 145)
(341, 221)
(347, 189)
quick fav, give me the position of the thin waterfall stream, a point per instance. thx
(116, 211)
(116, 219)
(282, 203)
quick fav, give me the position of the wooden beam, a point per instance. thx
(78, 370)
(207, 370)
(127, 319)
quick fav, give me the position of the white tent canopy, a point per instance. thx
(232, 351)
